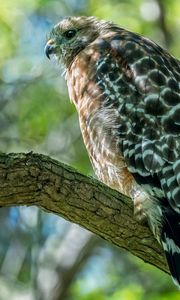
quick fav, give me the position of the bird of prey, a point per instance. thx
(126, 90)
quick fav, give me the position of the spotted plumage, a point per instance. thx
(126, 90)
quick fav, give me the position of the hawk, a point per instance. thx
(126, 89)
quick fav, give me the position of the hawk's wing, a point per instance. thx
(144, 81)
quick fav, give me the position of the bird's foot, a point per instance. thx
(139, 200)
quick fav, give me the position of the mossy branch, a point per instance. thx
(36, 179)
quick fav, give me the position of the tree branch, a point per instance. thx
(36, 179)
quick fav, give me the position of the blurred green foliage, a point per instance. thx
(36, 115)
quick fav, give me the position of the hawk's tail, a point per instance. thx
(171, 244)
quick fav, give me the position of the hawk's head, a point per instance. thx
(71, 35)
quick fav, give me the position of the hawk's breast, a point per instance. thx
(98, 124)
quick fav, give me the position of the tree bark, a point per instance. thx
(36, 179)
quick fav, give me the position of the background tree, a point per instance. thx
(39, 254)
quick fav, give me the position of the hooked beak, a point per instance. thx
(49, 48)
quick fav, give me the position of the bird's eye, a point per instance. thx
(69, 34)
